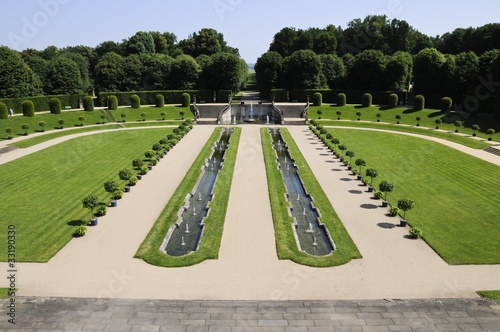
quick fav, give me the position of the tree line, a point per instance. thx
(380, 54)
(145, 61)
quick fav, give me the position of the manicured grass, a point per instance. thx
(472, 143)
(209, 249)
(152, 113)
(51, 122)
(41, 193)
(495, 295)
(428, 117)
(456, 195)
(285, 241)
(4, 292)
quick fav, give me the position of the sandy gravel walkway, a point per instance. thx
(101, 264)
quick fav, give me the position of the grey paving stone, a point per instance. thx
(113, 320)
(71, 326)
(298, 310)
(344, 316)
(300, 322)
(246, 329)
(326, 322)
(170, 309)
(378, 321)
(296, 329)
(400, 328)
(145, 328)
(370, 315)
(91, 327)
(168, 328)
(221, 310)
(221, 322)
(272, 322)
(317, 316)
(349, 309)
(376, 329)
(270, 316)
(193, 322)
(373, 309)
(214, 328)
(320, 329)
(247, 322)
(273, 329)
(392, 315)
(349, 329)
(118, 327)
(199, 315)
(166, 322)
(294, 316)
(352, 322)
(468, 320)
(408, 321)
(458, 314)
(447, 327)
(490, 327)
(320, 310)
(470, 327)
(221, 316)
(197, 329)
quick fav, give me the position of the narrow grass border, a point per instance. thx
(494, 295)
(285, 241)
(4, 292)
(471, 143)
(209, 248)
(53, 135)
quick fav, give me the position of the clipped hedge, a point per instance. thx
(135, 101)
(445, 104)
(170, 96)
(42, 103)
(317, 99)
(55, 106)
(419, 103)
(330, 96)
(160, 101)
(113, 103)
(28, 108)
(367, 100)
(4, 112)
(393, 100)
(280, 95)
(341, 99)
(88, 103)
(186, 99)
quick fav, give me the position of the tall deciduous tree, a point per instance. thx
(268, 70)
(63, 77)
(302, 70)
(227, 71)
(17, 78)
(427, 71)
(333, 70)
(185, 73)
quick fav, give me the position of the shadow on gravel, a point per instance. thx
(386, 225)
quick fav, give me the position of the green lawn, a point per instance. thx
(495, 295)
(428, 117)
(286, 244)
(467, 141)
(209, 249)
(41, 193)
(4, 292)
(152, 113)
(456, 195)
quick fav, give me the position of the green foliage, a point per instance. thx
(132, 182)
(160, 100)
(341, 99)
(110, 186)
(268, 71)
(4, 112)
(117, 194)
(302, 70)
(419, 103)
(113, 103)
(393, 100)
(378, 195)
(358, 114)
(41, 124)
(416, 232)
(101, 211)
(143, 115)
(185, 73)
(88, 104)
(496, 111)
(125, 174)
(171, 96)
(42, 103)
(135, 101)
(367, 100)
(28, 108)
(80, 231)
(428, 71)
(150, 154)
(185, 99)
(137, 163)
(360, 162)
(386, 187)
(90, 202)
(405, 204)
(226, 71)
(63, 77)
(394, 211)
(18, 80)
(25, 126)
(317, 99)
(55, 106)
(446, 104)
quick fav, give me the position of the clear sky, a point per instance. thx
(248, 25)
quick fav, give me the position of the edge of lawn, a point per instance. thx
(285, 241)
(494, 295)
(210, 245)
(471, 143)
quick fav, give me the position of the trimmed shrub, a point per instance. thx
(80, 231)
(135, 101)
(393, 100)
(137, 163)
(341, 99)
(4, 112)
(88, 103)
(419, 103)
(113, 103)
(185, 99)
(101, 211)
(317, 99)
(117, 194)
(367, 100)
(42, 102)
(55, 106)
(28, 108)
(445, 104)
(160, 101)
(132, 182)
(416, 232)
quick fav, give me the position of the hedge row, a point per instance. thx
(41, 103)
(170, 97)
(330, 96)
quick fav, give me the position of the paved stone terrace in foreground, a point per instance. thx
(73, 314)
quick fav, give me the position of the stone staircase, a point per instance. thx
(291, 111)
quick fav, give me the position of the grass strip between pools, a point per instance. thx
(494, 295)
(209, 249)
(285, 240)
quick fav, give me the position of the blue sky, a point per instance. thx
(246, 24)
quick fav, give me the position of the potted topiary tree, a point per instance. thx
(360, 162)
(123, 115)
(103, 117)
(379, 115)
(182, 114)
(385, 187)
(358, 114)
(61, 122)
(458, 124)
(416, 232)
(339, 113)
(342, 148)
(8, 130)
(163, 115)
(111, 186)
(138, 163)
(490, 132)
(25, 126)
(350, 154)
(125, 174)
(335, 141)
(143, 114)
(418, 121)
(438, 122)
(157, 148)
(405, 204)
(165, 146)
(476, 128)
(91, 202)
(150, 154)
(42, 125)
(319, 114)
(372, 173)
(398, 117)
(81, 118)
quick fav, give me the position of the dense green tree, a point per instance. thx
(268, 71)
(141, 42)
(160, 42)
(427, 71)
(108, 46)
(185, 73)
(399, 36)
(207, 42)
(17, 78)
(398, 71)
(284, 42)
(466, 72)
(302, 70)
(40, 67)
(368, 68)
(109, 72)
(156, 69)
(49, 53)
(83, 67)
(486, 61)
(324, 42)
(227, 71)
(333, 70)
(132, 73)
